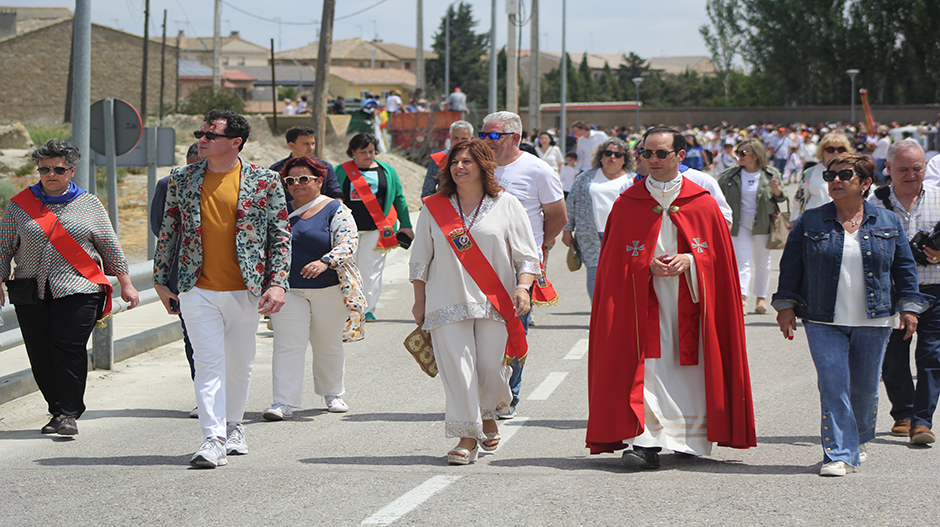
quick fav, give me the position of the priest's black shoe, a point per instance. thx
(640, 458)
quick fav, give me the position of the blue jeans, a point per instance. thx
(591, 273)
(515, 380)
(780, 163)
(907, 402)
(848, 364)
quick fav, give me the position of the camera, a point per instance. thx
(925, 239)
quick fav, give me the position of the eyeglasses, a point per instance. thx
(290, 180)
(211, 136)
(494, 136)
(741, 153)
(608, 153)
(844, 175)
(661, 154)
(59, 171)
(834, 149)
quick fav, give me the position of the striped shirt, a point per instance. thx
(923, 217)
(23, 241)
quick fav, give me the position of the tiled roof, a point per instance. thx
(193, 69)
(356, 49)
(285, 73)
(374, 76)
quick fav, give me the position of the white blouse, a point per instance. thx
(851, 301)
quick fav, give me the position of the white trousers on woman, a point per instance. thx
(317, 316)
(371, 263)
(469, 356)
(222, 327)
(751, 252)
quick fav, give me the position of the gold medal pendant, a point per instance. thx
(460, 239)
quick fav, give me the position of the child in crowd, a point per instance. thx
(568, 172)
(794, 166)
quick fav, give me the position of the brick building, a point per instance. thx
(35, 71)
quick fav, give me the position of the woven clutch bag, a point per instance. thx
(418, 344)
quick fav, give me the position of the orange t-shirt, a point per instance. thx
(218, 203)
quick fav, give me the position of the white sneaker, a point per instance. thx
(210, 455)
(862, 453)
(837, 468)
(235, 442)
(278, 412)
(194, 413)
(334, 403)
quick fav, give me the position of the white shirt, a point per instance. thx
(705, 181)
(815, 188)
(553, 156)
(586, 146)
(392, 103)
(604, 192)
(881, 148)
(807, 152)
(749, 184)
(932, 173)
(567, 175)
(534, 183)
(851, 301)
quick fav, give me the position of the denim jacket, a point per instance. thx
(812, 260)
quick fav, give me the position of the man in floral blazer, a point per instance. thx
(235, 248)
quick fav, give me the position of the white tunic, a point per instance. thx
(673, 395)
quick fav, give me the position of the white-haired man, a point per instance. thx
(537, 186)
(459, 131)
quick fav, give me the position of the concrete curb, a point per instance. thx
(22, 383)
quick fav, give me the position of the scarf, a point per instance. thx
(73, 192)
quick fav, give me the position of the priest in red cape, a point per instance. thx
(667, 354)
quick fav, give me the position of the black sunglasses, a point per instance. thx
(608, 153)
(290, 180)
(494, 136)
(741, 153)
(210, 136)
(834, 149)
(661, 154)
(59, 171)
(844, 175)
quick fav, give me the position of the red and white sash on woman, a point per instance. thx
(384, 224)
(65, 244)
(480, 270)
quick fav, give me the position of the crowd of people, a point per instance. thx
(673, 226)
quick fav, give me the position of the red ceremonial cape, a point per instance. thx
(482, 273)
(624, 320)
(385, 225)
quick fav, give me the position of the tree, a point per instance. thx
(727, 38)
(467, 51)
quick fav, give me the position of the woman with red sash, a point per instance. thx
(62, 243)
(373, 192)
(473, 261)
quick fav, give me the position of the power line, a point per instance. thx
(275, 21)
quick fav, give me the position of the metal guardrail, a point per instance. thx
(141, 275)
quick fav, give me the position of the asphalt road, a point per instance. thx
(384, 461)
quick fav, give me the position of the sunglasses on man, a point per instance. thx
(59, 171)
(211, 136)
(494, 136)
(661, 154)
(844, 175)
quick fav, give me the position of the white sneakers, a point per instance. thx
(235, 444)
(335, 404)
(278, 412)
(210, 455)
(837, 468)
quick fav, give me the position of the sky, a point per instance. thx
(649, 29)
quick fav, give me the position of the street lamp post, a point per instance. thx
(852, 74)
(637, 81)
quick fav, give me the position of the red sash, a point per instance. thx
(439, 158)
(480, 270)
(65, 244)
(385, 225)
(543, 294)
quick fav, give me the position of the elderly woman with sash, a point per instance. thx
(373, 192)
(473, 262)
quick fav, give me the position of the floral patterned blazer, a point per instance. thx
(262, 232)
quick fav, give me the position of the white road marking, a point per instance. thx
(578, 350)
(548, 386)
(409, 500)
(508, 428)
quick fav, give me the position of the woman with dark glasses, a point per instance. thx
(591, 198)
(325, 305)
(752, 189)
(814, 192)
(847, 270)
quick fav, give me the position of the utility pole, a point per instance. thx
(217, 48)
(419, 51)
(512, 60)
(143, 74)
(535, 76)
(81, 89)
(321, 85)
(563, 115)
(492, 95)
(447, 50)
(162, 66)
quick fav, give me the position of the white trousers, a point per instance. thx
(317, 316)
(371, 263)
(222, 327)
(469, 356)
(751, 252)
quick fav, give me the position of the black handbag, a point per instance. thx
(23, 291)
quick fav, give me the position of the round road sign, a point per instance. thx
(127, 127)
